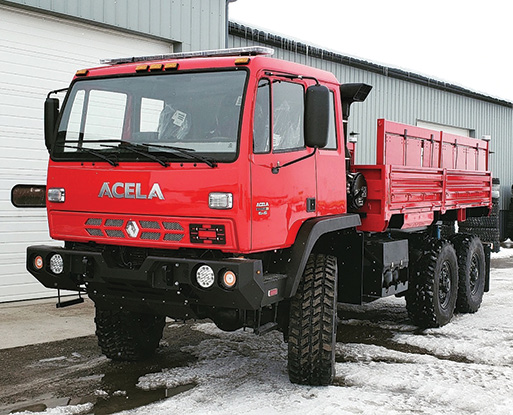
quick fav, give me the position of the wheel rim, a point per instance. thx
(445, 285)
(474, 274)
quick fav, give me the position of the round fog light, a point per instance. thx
(38, 262)
(229, 279)
(205, 276)
(56, 264)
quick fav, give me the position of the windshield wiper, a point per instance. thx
(136, 148)
(187, 152)
(139, 150)
(95, 153)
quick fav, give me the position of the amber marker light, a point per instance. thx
(171, 66)
(241, 61)
(156, 67)
(229, 279)
(38, 262)
(141, 68)
(82, 72)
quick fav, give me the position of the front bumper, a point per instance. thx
(163, 285)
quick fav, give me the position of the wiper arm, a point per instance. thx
(95, 153)
(187, 152)
(136, 149)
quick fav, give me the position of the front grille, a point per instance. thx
(170, 232)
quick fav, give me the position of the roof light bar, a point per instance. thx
(245, 51)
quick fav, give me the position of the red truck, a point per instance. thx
(222, 185)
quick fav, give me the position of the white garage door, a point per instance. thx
(39, 53)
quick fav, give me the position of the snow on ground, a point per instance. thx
(463, 368)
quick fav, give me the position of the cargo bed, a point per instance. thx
(419, 172)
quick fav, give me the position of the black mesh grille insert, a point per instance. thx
(172, 226)
(94, 232)
(149, 224)
(153, 236)
(94, 222)
(174, 237)
(114, 233)
(114, 222)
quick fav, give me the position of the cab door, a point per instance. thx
(282, 197)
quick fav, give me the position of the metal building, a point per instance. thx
(43, 43)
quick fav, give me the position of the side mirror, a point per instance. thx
(317, 107)
(51, 115)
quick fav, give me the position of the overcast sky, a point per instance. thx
(467, 43)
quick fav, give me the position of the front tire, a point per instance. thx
(313, 323)
(126, 335)
(431, 297)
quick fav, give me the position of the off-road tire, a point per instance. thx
(471, 272)
(447, 228)
(128, 336)
(313, 323)
(433, 286)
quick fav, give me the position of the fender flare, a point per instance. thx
(309, 233)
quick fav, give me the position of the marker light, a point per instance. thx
(229, 279)
(220, 200)
(38, 262)
(56, 264)
(141, 68)
(205, 276)
(56, 195)
(171, 65)
(156, 67)
(241, 61)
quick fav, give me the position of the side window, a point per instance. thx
(262, 119)
(332, 130)
(288, 113)
(75, 117)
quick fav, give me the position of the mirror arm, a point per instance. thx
(56, 91)
(276, 169)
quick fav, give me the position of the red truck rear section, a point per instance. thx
(420, 173)
(221, 185)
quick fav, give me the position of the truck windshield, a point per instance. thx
(196, 113)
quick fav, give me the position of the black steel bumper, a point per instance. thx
(163, 285)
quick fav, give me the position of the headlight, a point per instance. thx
(56, 264)
(220, 200)
(205, 276)
(56, 195)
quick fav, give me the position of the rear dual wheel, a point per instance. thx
(431, 297)
(471, 271)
